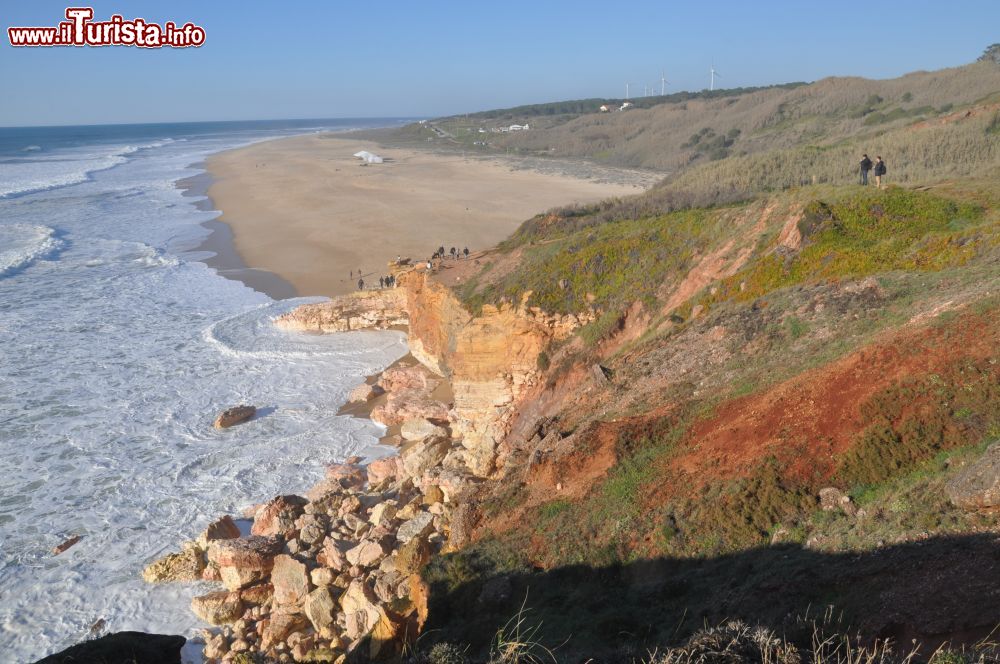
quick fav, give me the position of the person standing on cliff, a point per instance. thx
(866, 165)
(879, 171)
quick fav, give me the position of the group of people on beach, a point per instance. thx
(383, 282)
(455, 253)
(877, 168)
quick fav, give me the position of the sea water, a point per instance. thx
(117, 350)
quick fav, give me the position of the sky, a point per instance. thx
(388, 58)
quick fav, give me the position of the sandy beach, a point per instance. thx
(305, 208)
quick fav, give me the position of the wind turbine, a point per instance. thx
(714, 74)
(663, 83)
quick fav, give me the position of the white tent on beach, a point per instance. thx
(368, 157)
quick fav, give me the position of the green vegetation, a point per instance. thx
(862, 233)
(608, 266)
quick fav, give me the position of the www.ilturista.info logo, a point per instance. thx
(80, 30)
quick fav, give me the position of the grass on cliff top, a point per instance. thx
(608, 266)
(859, 232)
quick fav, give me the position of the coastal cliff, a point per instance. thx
(491, 359)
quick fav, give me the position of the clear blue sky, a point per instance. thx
(297, 59)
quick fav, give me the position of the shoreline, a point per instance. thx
(225, 259)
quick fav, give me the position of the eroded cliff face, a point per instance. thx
(491, 359)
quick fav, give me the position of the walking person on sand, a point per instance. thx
(866, 165)
(381, 282)
(361, 284)
(879, 171)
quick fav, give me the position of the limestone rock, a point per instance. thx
(262, 593)
(365, 392)
(412, 556)
(366, 554)
(242, 562)
(380, 470)
(349, 474)
(423, 455)
(218, 608)
(381, 513)
(234, 415)
(377, 309)
(321, 609)
(278, 515)
(977, 486)
(184, 566)
(223, 528)
(418, 428)
(419, 526)
(332, 554)
(290, 580)
(360, 608)
(279, 627)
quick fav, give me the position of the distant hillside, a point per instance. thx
(927, 125)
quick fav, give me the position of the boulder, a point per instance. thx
(278, 515)
(412, 556)
(321, 609)
(349, 474)
(360, 609)
(66, 544)
(332, 554)
(365, 392)
(977, 486)
(380, 470)
(184, 566)
(417, 428)
(834, 499)
(368, 553)
(220, 529)
(245, 561)
(290, 580)
(234, 415)
(257, 595)
(423, 455)
(382, 513)
(218, 608)
(123, 647)
(419, 526)
(279, 626)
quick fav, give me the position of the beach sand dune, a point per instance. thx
(306, 209)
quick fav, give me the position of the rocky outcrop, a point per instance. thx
(364, 310)
(977, 486)
(233, 416)
(335, 577)
(491, 359)
(137, 647)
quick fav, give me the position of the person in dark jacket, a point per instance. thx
(866, 165)
(879, 171)
(361, 284)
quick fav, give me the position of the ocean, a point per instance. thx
(118, 346)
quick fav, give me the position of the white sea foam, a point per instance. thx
(23, 244)
(116, 357)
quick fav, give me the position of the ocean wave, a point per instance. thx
(253, 334)
(22, 244)
(34, 173)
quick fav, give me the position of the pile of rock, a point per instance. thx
(410, 395)
(332, 572)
